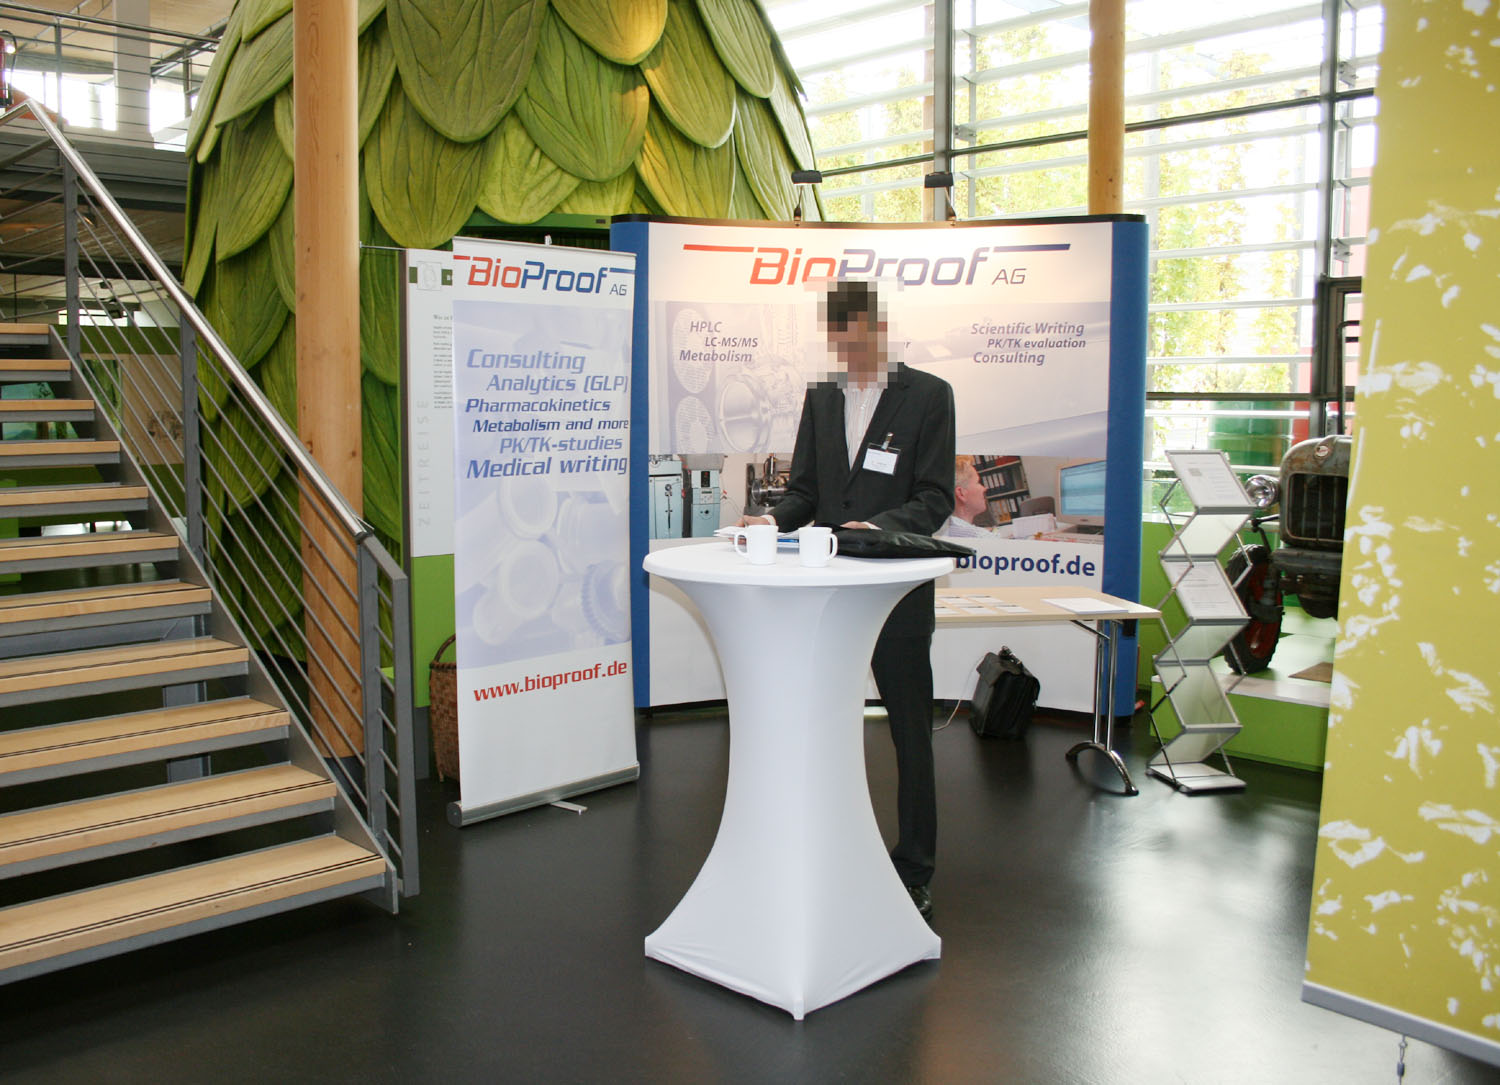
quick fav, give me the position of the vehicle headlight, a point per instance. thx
(1264, 490)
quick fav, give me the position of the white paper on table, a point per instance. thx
(965, 603)
(1005, 607)
(962, 604)
(1083, 605)
(782, 540)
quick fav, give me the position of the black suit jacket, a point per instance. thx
(916, 409)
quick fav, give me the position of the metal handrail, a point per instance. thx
(201, 327)
(300, 577)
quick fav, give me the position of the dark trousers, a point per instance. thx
(903, 673)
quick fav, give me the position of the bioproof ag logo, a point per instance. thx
(994, 265)
(536, 275)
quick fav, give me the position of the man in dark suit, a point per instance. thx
(875, 450)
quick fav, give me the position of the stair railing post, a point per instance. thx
(406, 759)
(70, 258)
(370, 688)
(192, 465)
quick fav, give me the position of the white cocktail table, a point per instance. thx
(797, 904)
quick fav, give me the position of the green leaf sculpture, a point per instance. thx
(516, 109)
(688, 82)
(586, 113)
(250, 152)
(465, 60)
(622, 32)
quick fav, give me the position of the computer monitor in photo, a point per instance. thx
(1080, 494)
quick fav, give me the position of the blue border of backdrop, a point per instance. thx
(1125, 443)
(1125, 446)
(635, 236)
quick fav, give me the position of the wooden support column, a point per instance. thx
(325, 109)
(1107, 107)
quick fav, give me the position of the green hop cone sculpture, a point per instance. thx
(515, 108)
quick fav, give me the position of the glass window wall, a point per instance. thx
(1250, 138)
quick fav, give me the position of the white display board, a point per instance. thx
(532, 500)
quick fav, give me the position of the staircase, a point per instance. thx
(205, 659)
(145, 795)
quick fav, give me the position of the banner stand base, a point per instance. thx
(459, 815)
(1192, 777)
(1404, 1024)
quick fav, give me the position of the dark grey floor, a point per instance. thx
(1087, 937)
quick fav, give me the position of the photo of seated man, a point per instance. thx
(969, 503)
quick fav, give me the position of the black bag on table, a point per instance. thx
(863, 542)
(1004, 698)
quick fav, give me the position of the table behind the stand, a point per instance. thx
(1105, 616)
(1006, 605)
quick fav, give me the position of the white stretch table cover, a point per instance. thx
(797, 904)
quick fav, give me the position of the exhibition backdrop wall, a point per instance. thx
(1039, 326)
(1405, 926)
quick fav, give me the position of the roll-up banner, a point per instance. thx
(1404, 929)
(537, 503)
(1038, 325)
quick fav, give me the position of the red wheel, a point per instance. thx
(1259, 590)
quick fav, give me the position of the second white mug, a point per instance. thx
(816, 546)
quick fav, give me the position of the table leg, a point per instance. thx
(1106, 660)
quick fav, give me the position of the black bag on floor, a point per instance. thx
(1004, 697)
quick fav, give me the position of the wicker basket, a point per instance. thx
(442, 708)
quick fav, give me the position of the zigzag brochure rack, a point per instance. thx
(1213, 616)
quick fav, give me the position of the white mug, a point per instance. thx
(760, 543)
(816, 546)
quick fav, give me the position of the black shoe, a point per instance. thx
(921, 896)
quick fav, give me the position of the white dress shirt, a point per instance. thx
(860, 401)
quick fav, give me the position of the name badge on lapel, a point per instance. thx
(882, 460)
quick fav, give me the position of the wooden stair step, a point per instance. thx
(79, 498)
(78, 607)
(46, 410)
(107, 670)
(77, 832)
(32, 370)
(86, 549)
(57, 453)
(24, 335)
(60, 931)
(42, 753)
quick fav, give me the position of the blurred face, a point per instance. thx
(968, 497)
(857, 344)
